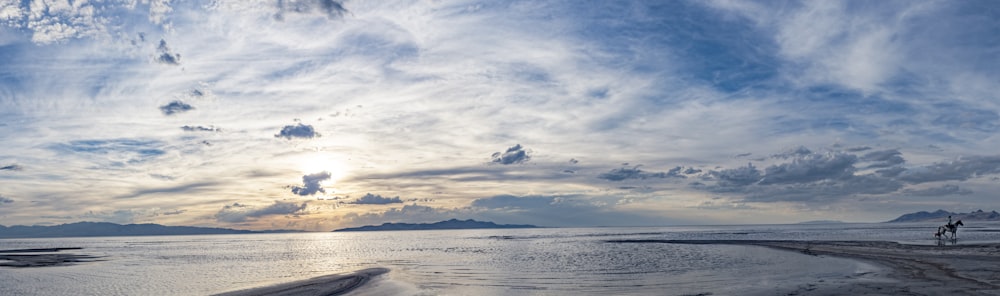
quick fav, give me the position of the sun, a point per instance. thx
(322, 162)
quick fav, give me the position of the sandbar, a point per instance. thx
(334, 284)
(42, 257)
(961, 269)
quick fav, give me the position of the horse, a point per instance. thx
(945, 229)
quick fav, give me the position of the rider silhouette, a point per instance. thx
(949, 220)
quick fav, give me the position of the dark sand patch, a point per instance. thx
(42, 257)
(335, 284)
(966, 269)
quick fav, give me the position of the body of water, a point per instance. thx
(549, 261)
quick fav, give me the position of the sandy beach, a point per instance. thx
(336, 284)
(963, 269)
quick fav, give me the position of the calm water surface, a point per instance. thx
(555, 261)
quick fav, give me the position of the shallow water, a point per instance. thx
(463, 262)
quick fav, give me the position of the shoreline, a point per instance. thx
(972, 269)
(334, 284)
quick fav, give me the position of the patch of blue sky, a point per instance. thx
(137, 150)
(294, 70)
(783, 126)
(960, 117)
(935, 137)
(731, 60)
(837, 99)
(377, 47)
(726, 53)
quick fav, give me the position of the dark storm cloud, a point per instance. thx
(961, 169)
(514, 154)
(237, 212)
(621, 174)
(297, 131)
(806, 176)
(11, 167)
(165, 56)
(375, 199)
(884, 158)
(810, 167)
(175, 107)
(947, 189)
(198, 128)
(822, 191)
(310, 184)
(741, 176)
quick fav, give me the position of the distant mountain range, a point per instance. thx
(942, 216)
(111, 229)
(450, 224)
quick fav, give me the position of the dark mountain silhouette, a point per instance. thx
(942, 216)
(111, 229)
(450, 224)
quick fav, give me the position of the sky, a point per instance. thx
(317, 114)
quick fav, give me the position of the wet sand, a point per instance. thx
(42, 257)
(963, 269)
(336, 284)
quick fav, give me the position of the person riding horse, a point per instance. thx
(953, 228)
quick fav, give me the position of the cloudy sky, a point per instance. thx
(316, 115)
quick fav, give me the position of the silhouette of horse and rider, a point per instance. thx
(943, 230)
